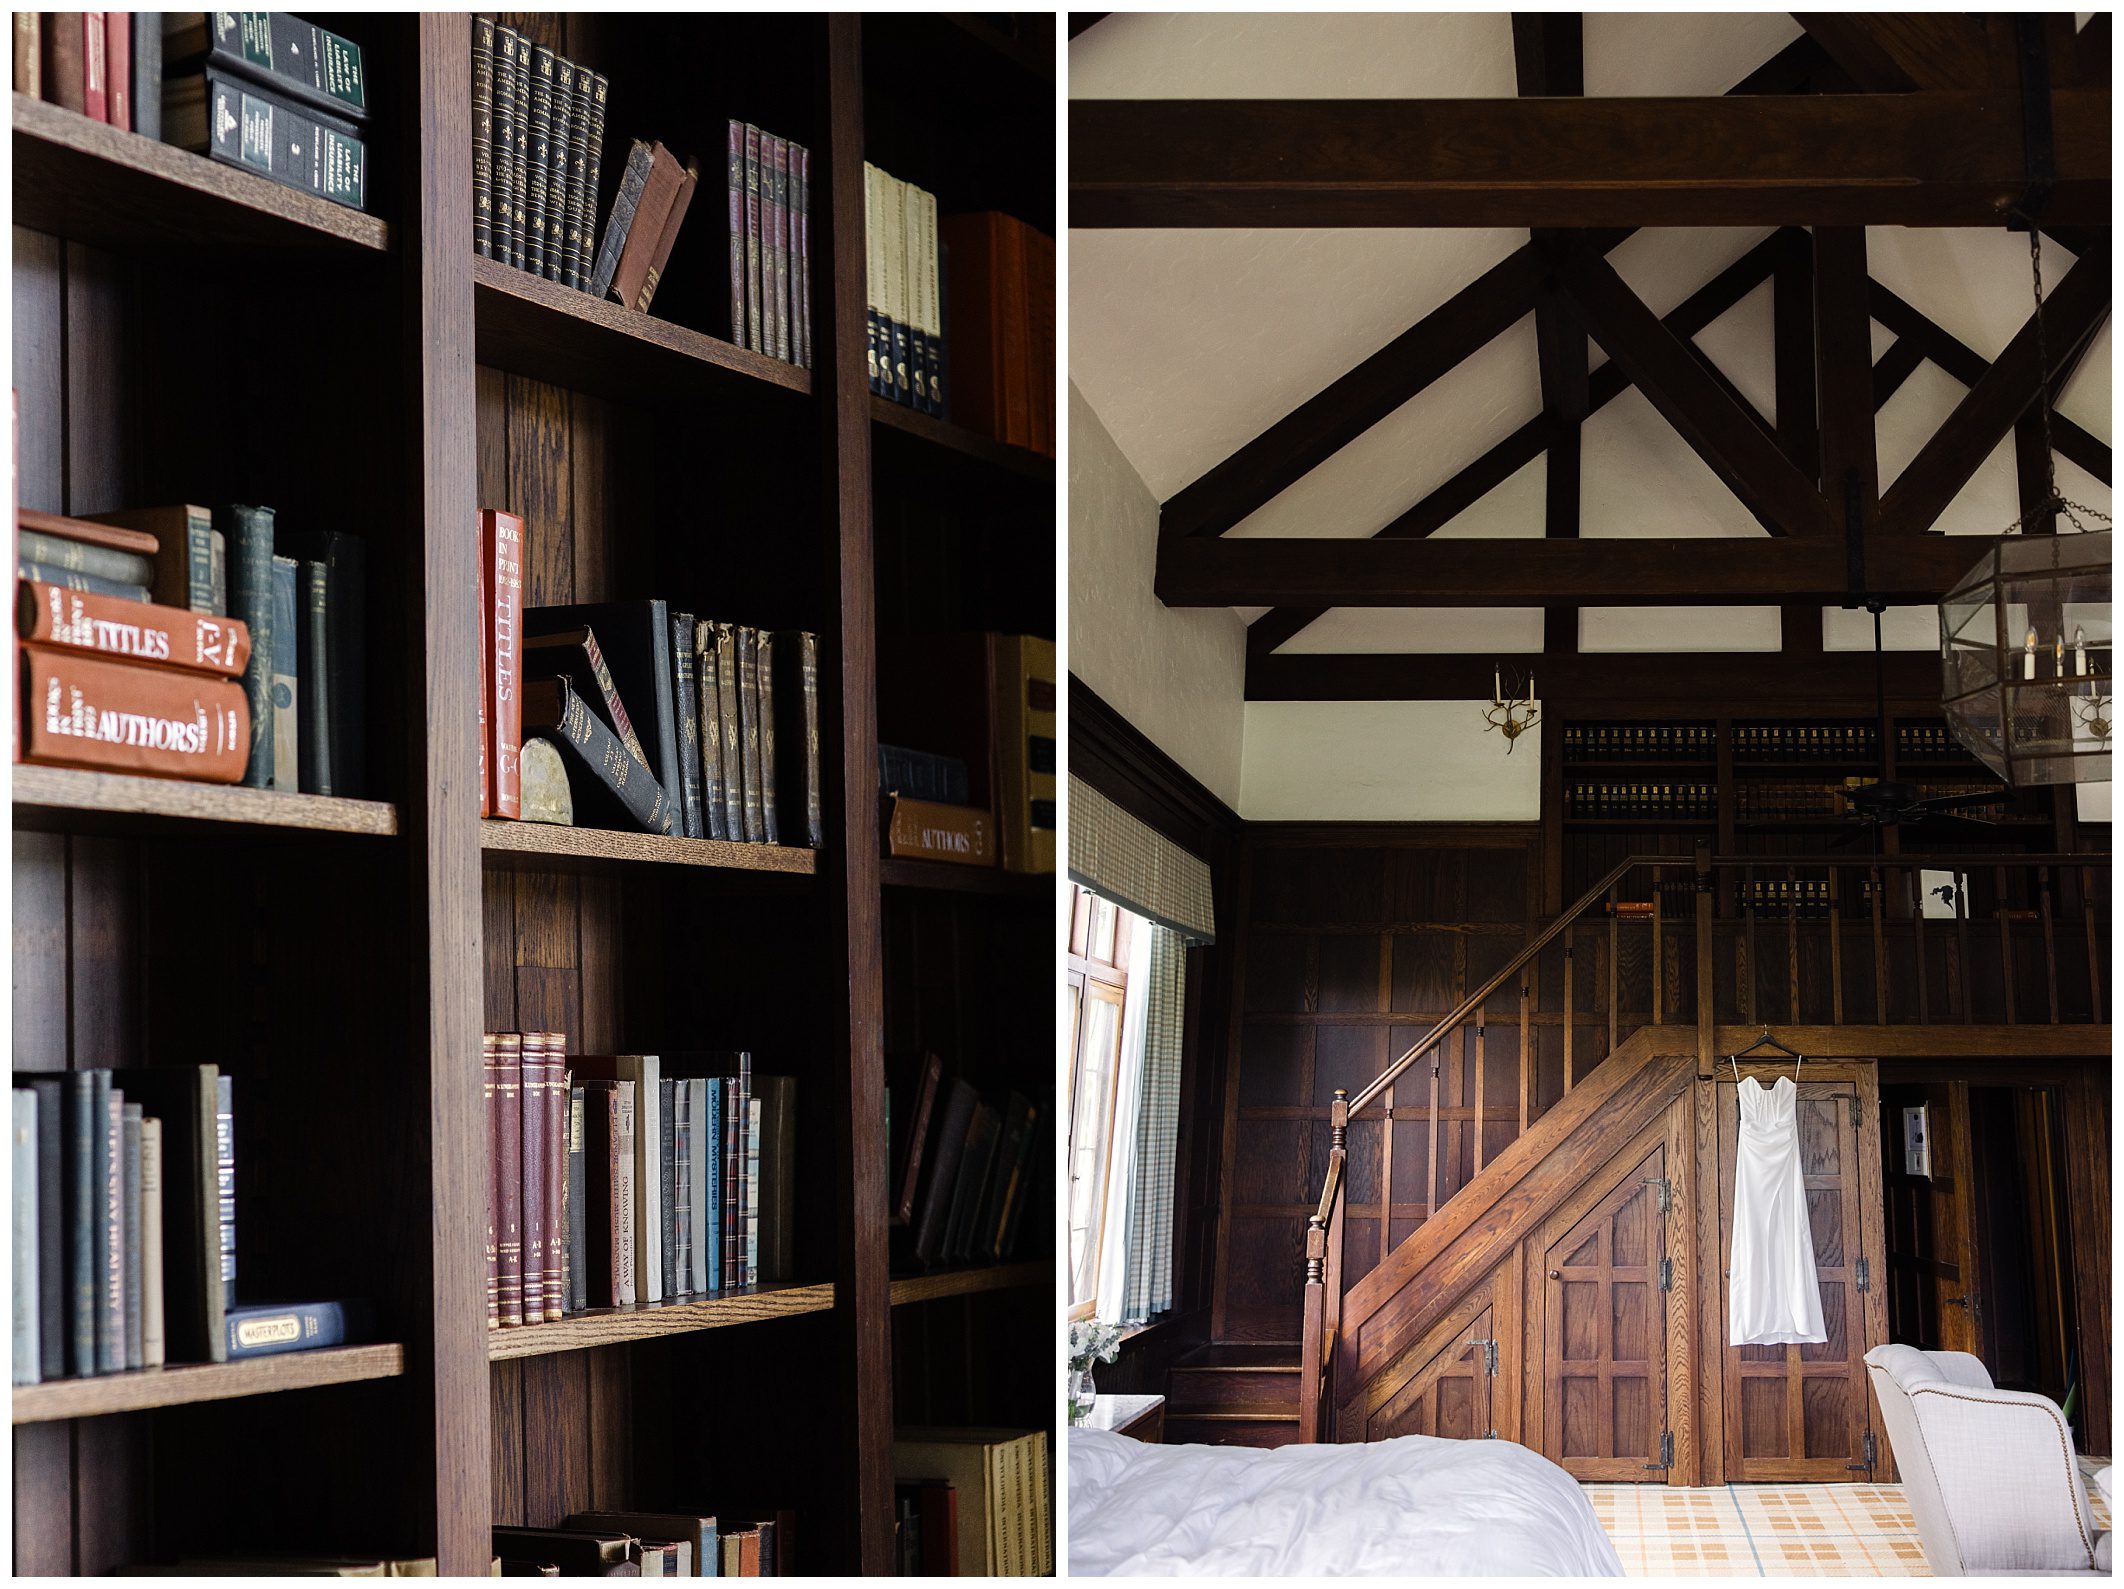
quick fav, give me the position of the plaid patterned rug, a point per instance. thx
(1772, 1530)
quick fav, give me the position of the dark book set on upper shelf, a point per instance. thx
(335, 950)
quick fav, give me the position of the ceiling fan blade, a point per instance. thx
(1992, 797)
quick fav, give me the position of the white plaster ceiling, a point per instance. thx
(1189, 343)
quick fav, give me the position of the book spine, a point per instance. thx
(775, 337)
(615, 708)
(490, 1096)
(51, 1224)
(733, 1151)
(623, 1241)
(315, 683)
(752, 1192)
(483, 136)
(933, 304)
(755, 306)
(710, 1232)
(667, 237)
(118, 69)
(531, 1124)
(78, 557)
(126, 631)
(578, 1188)
(64, 72)
(154, 1339)
(802, 169)
(621, 221)
(734, 203)
(29, 54)
(667, 1177)
(749, 729)
(95, 76)
(69, 579)
(592, 746)
(302, 1327)
(520, 172)
(506, 580)
(250, 532)
(708, 711)
(225, 1178)
(110, 1243)
(129, 1125)
(556, 1169)
(680, 1191)
(147, 74)
(483, 533)
(782, 255)
(592, 173)
(686, 706)
(506, 44)
(538, 175)
(638, 250)
(297, 147)
(82, 1222)
(727, 691)
(917, 297)
(218, 573)
(287, 676)
(298, 58)
(814, 816)
(770, 825)
(902, 305)
(600, 1189)
(29, 1353)
(575, 208)
(82, 712)
(509, 1147)
(561, 116)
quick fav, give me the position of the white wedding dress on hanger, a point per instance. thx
(1776, 1297)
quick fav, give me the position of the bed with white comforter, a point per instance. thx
(1409, 1506)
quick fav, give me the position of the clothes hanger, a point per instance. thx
(1767, 1041)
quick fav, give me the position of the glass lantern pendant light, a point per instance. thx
(2025, 635)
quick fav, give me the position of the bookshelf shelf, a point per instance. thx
(611, 1326)
(905, 872)
(192, 1382)
(531, 326)
(595, 845)
(959, 441)
(70, 800)
(965, 1282)
(1655, 765)
(96, 184)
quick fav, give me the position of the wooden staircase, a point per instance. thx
(1234, 1394)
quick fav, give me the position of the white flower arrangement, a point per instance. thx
(1092, 1342)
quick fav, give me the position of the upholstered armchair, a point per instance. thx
(1989, 1474)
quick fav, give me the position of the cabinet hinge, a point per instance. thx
(1858, 1111)
(1489, 1356)
(1863, 1275)
(1666, 1191)
(1869, 1451)
(1666, 1450)
(1666, 1274)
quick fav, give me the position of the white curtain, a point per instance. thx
(1116, 1217)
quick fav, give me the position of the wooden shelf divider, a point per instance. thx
(593, 845)
(610, 1326)
(190, 1382)
(66, 798)
(966, 1282)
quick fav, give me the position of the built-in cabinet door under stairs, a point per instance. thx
(1234, 1394)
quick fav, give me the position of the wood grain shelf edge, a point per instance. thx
(501, 837)
(613, 1326)
(899, 871)
(958, 439)
(965, 1282)
(191, 1382)
(73, 790)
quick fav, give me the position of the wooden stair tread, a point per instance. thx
(1243, 1356)
(1257, 1415)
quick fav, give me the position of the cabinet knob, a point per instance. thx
(1555, 1274)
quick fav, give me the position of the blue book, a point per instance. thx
(110, 1225)
(261, 1329)
(84, 1219)
(710, 1152)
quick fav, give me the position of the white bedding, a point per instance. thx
(1413, 1505)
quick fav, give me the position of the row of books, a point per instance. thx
(107, 65)
(1632, 801)
(973, 1502)
(649, 1545)
(1807, 742)
(664, 723)
(134, 664)
(1790, 799)
(963, 1167)
(633, 1178)
(538, 138)
(904, 309)
(768, 185)
(1639, 741)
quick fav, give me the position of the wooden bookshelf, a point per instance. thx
(959, 442)
(176, 1386)
(344, 985)
(943, 876)
(67, 797)
(612, 1326)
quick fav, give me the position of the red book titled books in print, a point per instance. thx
(501, 538)
(80, 711)
(131, 631)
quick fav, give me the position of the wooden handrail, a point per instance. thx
(1331, 1186)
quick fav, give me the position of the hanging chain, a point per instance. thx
(2057, 501)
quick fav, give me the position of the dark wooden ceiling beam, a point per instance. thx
(1248, 571)
(1987, 411)
(1676, 382)
(1632, 679)
(1968, 366)
(1843, 357)
(1792, 366)
(1896, 52)
(1893, 368)
(1947, 158)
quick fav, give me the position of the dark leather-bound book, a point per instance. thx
(748, 703)
(483, 136)
(509, 1160)
(666, 238)
(490, 1096)
(661, 189)
(250, 535)
(968, 1197)
(800, 251)
(613, 784)
(918, 1088)
(667, 1178)
(520, 171)
(344, 558)
(65, 66)
(555, 1169)
(312, 654)
(507, 41)
(221, 114)
(603, 1251)
(778, 1168)
(948, 1147)
(796, 748)
(708, 709)
(594, 166)
(770, 820)
(734, 197)
(531, 1125)
(755, 310)
(574, 654)
(727, 685)
(52, 1158)
(584, 1554)
(577, 161)
(1012, 1179)
(81, 1202)
(294, 57)
(539, 177)
(619, 224)
(263, 1329)
(184, 550)
(685, 709)
(1027, 1194)
(636, 638)
(774, 229)
(110, 1176)
(185, 1098)
(562, 118)
(129, 1143)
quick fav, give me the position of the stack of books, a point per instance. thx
(768, 186)
(271, 93)
(661, 722)
(132, 662)
(905, 271)
(648, 1545)
(538, 139)
(962, 1167)
(980, 1502)
(614, 1180)
(106, 65)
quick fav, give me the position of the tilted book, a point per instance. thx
(612, 777)
(636, 640)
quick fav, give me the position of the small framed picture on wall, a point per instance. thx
(1917, 1141)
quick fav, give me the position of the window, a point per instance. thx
(1096, 995)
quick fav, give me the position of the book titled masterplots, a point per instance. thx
(614, 1180)
(147, 649)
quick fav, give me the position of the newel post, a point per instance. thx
(1338, 1153)
(1314, 1330)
